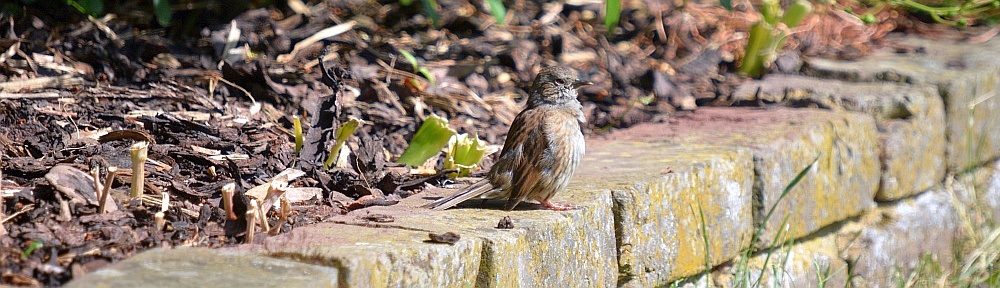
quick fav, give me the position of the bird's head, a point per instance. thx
(555, 85)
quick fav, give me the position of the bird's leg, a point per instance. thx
(556, 206)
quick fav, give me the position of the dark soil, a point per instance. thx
(180, 90)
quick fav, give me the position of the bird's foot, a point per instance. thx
(556, 206)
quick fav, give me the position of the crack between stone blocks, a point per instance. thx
(342, 271)
(380, 225)
(617, 208)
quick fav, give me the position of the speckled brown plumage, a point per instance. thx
(543, 147)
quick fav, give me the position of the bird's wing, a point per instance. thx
(528, 167)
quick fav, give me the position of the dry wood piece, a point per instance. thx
(228, 191)
(251, 216)
(108, 180)
(159, 221)
(4, 231)
(139, 151)
(62, 81)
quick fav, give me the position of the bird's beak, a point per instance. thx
(581, 83)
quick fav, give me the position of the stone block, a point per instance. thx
(379, 255)
(576, 247)
(966, 77)
(807, 264)
(886, 245)
(678, 209)
(910, 121)
(202, 267)
(783, 142)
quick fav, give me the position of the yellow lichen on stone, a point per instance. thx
(659, 206)
(380, 256)
(910, 121)
(966, 75)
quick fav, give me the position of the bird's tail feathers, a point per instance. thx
(469, 192)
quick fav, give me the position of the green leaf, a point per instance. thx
(162, 10)
(90, 7)
(416, 65)
(728, 4)
(405, 2)
(498, 11)
(433, 135)
(796, 12)
(35, 245)
(430, 8)
(770, 10)
(612, 14)
(761, 35)
(869, 19)
(464, 154)
(343, 133)
(297, 130)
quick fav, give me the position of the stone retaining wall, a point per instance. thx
(667, 201)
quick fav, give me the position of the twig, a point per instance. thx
(39, 95)
(138, 151)
(255, 106)
(108, 180)
(165, 202)
(3, 231)
(42, 83)
(107, 30)
(96, 175)
(322, 34)
(263, 219)
(227, 200)
(23, 210)
(286, 208)
(251, 216)
(154, 201)
(158, 220)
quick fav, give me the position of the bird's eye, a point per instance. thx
(561, 81)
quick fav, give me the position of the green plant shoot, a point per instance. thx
(430, 138)
(162, 10)
(765, 39)
(35, 245)
(796, 13)
(612, 14)
(90, 7)
(430, 8)
(343, 132)
(464, 154)
(498, 11)
(297, 130)
(416, 65)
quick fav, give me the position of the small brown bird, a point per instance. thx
(543, 147)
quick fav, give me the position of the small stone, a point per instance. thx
(444, 238)
(505, 223)
(503, 78)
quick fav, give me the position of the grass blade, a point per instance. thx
(343, 132)
(416, 65)
(162, 10)
(430, 8)
(297, 132)
(498, 11)
(728, 4)
(788, 188)
(612, 14)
